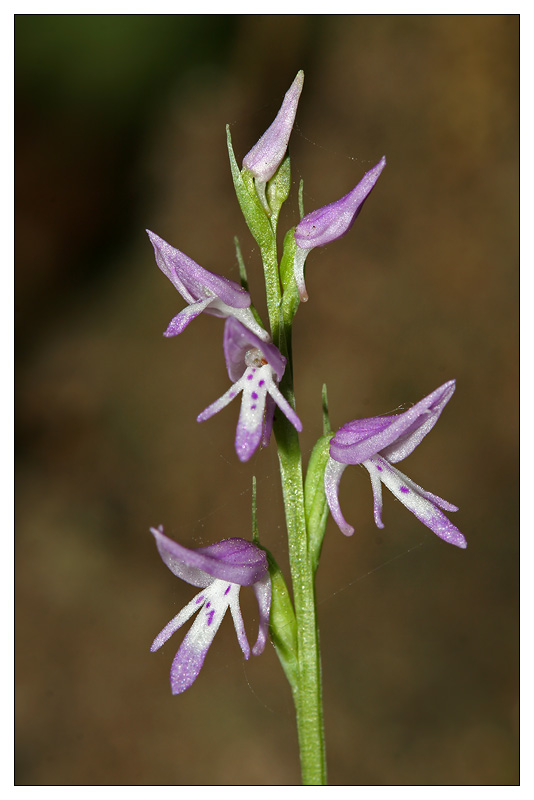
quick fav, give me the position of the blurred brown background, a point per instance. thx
(120, 126)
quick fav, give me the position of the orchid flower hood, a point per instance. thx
(331, 222)
(203, 291)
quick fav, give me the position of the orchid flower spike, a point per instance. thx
(202, 290)
(220, 569)
(379, 442)
(255, 368)
(267, 154)
(331, 222)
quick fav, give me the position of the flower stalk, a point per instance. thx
(307, 693)
(260, 368)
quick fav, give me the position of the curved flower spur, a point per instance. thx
(255, 367)
(220, 569)
(379, 442)
(202, 290)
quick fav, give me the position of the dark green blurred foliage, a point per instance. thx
(88, 88)
(120, 125)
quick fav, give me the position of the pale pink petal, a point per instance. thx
(250, 423)
(332, 476)
(186, 315)
(190, 657)
(417, 501)
(239, 625)
(262, 590)
(222, 402)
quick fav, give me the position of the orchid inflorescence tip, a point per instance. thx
(260, 369)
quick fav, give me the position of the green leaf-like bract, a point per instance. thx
(282, 623)
(253, 211)
(278, 190)
(315, 505)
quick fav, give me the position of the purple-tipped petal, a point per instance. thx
(234, 560)
(268, 421)
(376, 486)
(222, 401)
(394, 436)
(385, 466)
(258, 386)
(298, 271)
(284, 406)
(332, 476)
(416, 500)
(190, 657)
(250, 423)
(177, 621)
(262, 590)
(186, 665)
(331, 222)
(215, 307)
(265, 157)
(239, 625)
(187, 315)
(193, 281)
(238, 341)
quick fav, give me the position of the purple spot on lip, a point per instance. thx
(404, 490)
(200, 599)
(254, 395)
(379, 468)
(261, 382)
(210, 616)
(249, 377)
(232, 394)
(253, 407)
(208, 604)
(227, 590)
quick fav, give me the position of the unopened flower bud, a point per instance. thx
(266, 156)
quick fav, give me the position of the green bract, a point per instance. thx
(253, 211)
(278, 190)
(282, 623)
(315, 504)
(290, 296)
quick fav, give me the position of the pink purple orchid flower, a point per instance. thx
(379, 442)
(203, 291)
(255, 368)
(266, 156)
(220, 569)
(331, 222)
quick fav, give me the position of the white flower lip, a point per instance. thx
(255, 367)
(220, 570)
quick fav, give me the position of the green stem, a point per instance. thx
(272, 288)
(307, 694)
